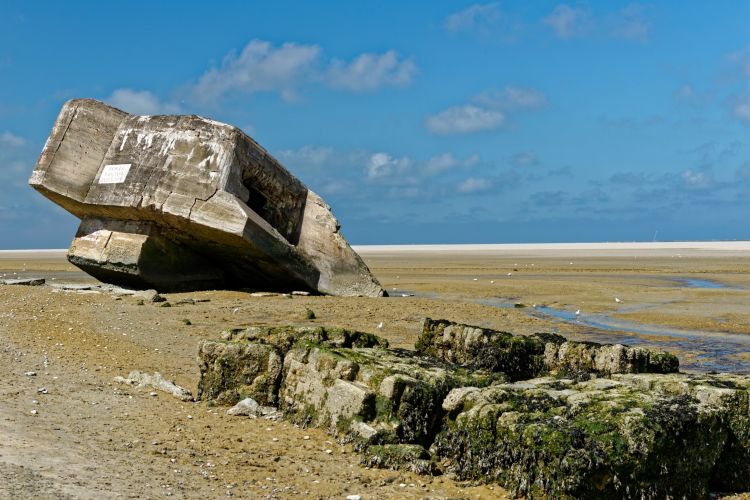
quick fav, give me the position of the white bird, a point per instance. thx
(510, 274)
(492, 282)
(380, 325)
(617, 300)
(578, 312)
(475, 279)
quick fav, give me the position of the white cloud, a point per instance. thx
(474, 17)
(511, 97)
(446, 161)
(313, 156)
(371, 71)
(526, 159)
(474, 185)
(486, 111)
(141, 102)
(696, 180)
(631, 23)
(11, 140)
(338, 187)
(263, 67)
(382, 165)
(742, 58)
(568, 22)
(740, 102)
(741, 108)
(464, 119)
(685, 92)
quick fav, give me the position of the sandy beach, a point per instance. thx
(91, 437)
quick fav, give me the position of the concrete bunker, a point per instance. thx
(185, 203)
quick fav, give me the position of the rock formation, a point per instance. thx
(584, 421)
(184, 202)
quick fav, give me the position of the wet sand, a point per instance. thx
(92, 438)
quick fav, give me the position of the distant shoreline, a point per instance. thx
(491, 247)
(542, 249)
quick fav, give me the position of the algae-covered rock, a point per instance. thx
(523, 357)
(573, 434)
(518, 356)
(411, 457)
(284, 337)
(634, 436)
(396, 394)
(579, 358)
(232, 371)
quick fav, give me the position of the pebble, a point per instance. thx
(30, 374)
(329, 451)
(306, 438)
(353, 497)
(34, 412)
(152, 394)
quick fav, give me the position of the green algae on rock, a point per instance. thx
(523, 357)
(471, 402)
(632, 436)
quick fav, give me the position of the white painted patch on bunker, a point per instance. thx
(114, 174)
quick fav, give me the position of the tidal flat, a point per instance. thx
(90, 436)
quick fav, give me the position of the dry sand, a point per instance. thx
(92, 438)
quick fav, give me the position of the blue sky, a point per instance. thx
(419, 122)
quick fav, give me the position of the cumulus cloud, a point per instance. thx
(16, 161)
(447, 162)
(741, 108)
(11, 140)
(261, 67)
(486, 111)
(568, 22)
(697, 180)
(382, 165)
(743, 173)
(628, 178)
(464, 119)
(511, 97)
(264, 67)
(474, 185)
(526, 159)
(739, 102)
(631, 23)
(306, 156)
(474, 17)
(742, 59)
(141, 102)
(371, 71)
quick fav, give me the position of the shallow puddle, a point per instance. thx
(710, 351)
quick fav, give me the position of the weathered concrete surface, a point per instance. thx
(184, 202)
(526, 356)
(606, 435)
(632, 436)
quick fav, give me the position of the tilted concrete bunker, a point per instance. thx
(185, 203)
